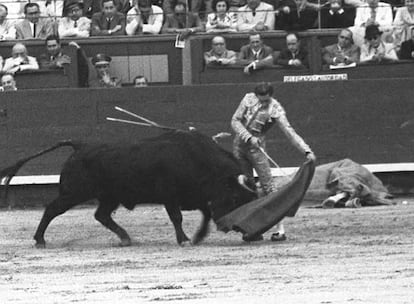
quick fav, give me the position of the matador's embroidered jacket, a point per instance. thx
(254, 118)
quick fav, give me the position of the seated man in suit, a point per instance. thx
(251, 55)
(219, 55)
(34, 26)
(293, 56)
(108, 22)
(144, 18)
(343, 53)
(54, 57)
(182, 22)
(74, 24)
(375, 50)
(20, 60)
(407, 47)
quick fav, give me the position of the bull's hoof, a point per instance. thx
(254, 238)
(196, 241)
(186, 243)
(125, 243)
(40, 245)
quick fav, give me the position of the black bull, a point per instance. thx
(182, 170)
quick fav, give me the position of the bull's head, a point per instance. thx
(235, 192)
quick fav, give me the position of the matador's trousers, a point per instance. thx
(250, 158)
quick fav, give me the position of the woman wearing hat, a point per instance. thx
(375, 50)
(74, 24)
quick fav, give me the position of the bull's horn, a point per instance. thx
(242, 181)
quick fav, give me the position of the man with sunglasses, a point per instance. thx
(342, 53)
(257, 113)
(375, 50)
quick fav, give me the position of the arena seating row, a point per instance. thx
(157, 57)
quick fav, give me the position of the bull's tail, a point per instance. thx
(8, 173)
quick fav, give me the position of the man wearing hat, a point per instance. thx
(375, 50)
(74, 24)
(103, 78)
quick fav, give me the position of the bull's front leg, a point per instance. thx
(176, 218)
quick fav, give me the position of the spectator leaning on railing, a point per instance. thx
(404, 22)
(54, 57)
(293, 56)
(219, 55)
(108, 22)
(144, 18)
(199, 7)
(251, 55)
(221, 20)
(182, 22)
(7, 29)
(74, 24)
(34, 26)
(20, 60)
(342, 53)
(255, 16)
(375, 50)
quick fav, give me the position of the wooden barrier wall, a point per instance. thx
(362, 120)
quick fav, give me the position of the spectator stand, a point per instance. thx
(62, 78)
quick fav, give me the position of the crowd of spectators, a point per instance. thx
(373, 31)
(82, 18)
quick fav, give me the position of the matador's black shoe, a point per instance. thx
(254, 238)
(278, 237)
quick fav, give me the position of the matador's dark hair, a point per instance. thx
(263, 88)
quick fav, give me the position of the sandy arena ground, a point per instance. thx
(332, 256)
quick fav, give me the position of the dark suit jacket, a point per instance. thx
(406, 48)
(44, 28)
(46, 62)
(286, 55)
(346, 19)
(99, 26)
(246, 54)
(303, 20)
(191, 22)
